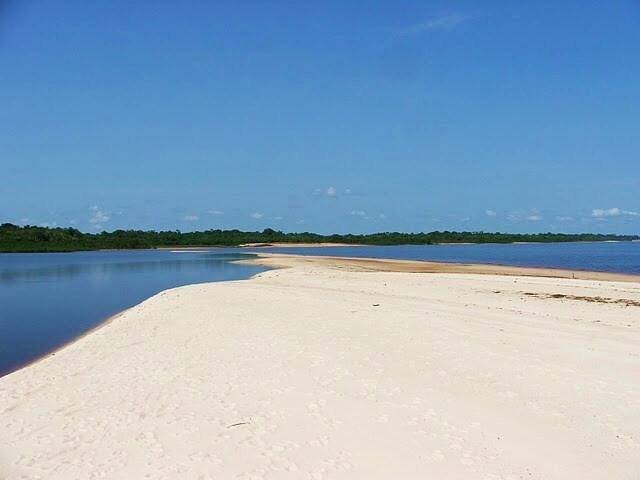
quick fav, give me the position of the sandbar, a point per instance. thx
(342, 369)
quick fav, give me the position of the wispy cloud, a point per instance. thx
(605, 212)
(257, 215)
(354, 193)
(436, 23)
(490, 213)
(215, 212)
(98, 216)
(326, 192)
(612, 212)
(334, 192)
(358, 213)
(367, 216)
(532, 215)
(191, 218)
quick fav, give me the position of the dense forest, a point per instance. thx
(41, 239)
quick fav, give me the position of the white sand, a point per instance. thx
(298, 375)
(299, 245)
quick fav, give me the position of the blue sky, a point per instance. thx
(321, 116)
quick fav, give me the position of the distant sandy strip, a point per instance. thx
(294, 245)
(260, 245)
(343, 369)
(414, 266)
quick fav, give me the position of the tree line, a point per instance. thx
(28, 238)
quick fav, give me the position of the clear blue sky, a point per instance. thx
(321, 116)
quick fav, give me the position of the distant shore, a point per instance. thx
(342, 368)
(283, 260)
(301, 245)
(289, 245)
(29, 238)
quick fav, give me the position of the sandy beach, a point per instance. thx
(343, 369)
(299, 245)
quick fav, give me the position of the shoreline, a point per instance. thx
(111, 318)
(340, 368)
(284, 260)
(276, 261)
(59, 348)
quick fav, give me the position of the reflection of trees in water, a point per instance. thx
(70, 271)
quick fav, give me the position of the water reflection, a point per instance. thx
(70, 271)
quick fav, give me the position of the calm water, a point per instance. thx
(47, 299)
(623, 257)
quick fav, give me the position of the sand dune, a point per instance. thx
(334, 371)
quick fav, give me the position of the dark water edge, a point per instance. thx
(612, 257)
(50, 299)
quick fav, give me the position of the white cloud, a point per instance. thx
(98, 216)
(215, 212)
(257, 215)
(490, 213)
(354, 193)
(605, 212)
(191, 218)
(326, 192)
(564, 218)
(382, 216)
(532, 215)
(440, 23)
(612, 212)
(278, 218)
(358, 213)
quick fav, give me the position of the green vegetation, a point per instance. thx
(40, 239)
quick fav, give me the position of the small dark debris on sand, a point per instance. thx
(238, 424)
(616, 301)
